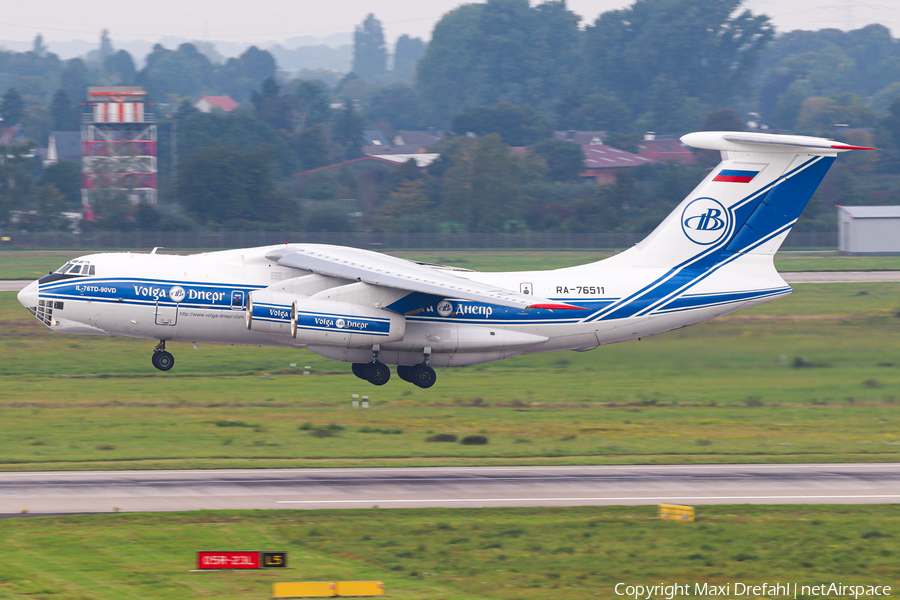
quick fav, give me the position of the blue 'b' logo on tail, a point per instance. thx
(705, 221)
(708, 221)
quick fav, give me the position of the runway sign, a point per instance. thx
(274, 560)
(328, 589)
(228, 560)
(360, 588)
(241, 560)
(305, 589)
(675, 512)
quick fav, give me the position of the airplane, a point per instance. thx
(711, 256)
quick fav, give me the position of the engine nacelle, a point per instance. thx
(323, 321)
(269, 312)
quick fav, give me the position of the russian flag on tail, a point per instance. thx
(735, 176)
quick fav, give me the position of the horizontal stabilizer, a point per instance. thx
(735, 141)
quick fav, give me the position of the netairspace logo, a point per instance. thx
(669, 591)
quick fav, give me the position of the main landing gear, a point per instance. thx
(375, 372)
(378, 373)
(422, 375)
(161, 359)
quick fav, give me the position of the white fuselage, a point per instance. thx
(204, 298)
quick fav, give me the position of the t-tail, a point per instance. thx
(716, 248)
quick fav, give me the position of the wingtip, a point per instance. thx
(848, 147)
(556, 306)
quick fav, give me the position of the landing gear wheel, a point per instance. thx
(377, 373)
(405, 372)
(359, 369)
(423, 376)
(163, 360)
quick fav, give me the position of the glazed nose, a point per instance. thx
(28, 297)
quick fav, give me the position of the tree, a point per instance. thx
(240, 132)
(239, 76)
(106, 47)
(308, 106)
(39, 47)
(397, 105)
(313, 103)
(38, 122)
(669, 109)
(65, 115)
(12, 107)
(596, 112)
(221, 184)
(269, 89)
(256, 64)
(329, 216)
(347, 133)
(407, 53)
(65, 176)
(74, 79)
(480, 185)
(503, 50)
(789, 103)
(517, 125)
(369, 50)
(17, 175)
(705, 48)
(311, 147)
(49, 200)
(186, 108)
(181, 72)
(121, 66)
(408, 208)
(887, 136)
(723, 120)
(565, 160)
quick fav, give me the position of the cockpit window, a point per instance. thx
(76, 267)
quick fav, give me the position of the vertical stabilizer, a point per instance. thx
(748, 203)
(715, 249)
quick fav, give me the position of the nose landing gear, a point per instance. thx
(161, 359)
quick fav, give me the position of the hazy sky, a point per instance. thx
(260, 21)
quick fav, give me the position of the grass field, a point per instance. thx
(813, 377)
(33, 264)
(454, 554)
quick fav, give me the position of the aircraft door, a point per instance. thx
(166, 314)
(526, 288)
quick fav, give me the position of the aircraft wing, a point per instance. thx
(389, 271)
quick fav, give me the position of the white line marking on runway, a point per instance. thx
(314, 470)
(654, 498)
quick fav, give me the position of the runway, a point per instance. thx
(160, 491)
(841, 276)
(14, 285)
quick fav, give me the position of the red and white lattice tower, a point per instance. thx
(118, 147)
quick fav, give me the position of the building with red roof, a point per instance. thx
(602, 162)
(208, 104)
